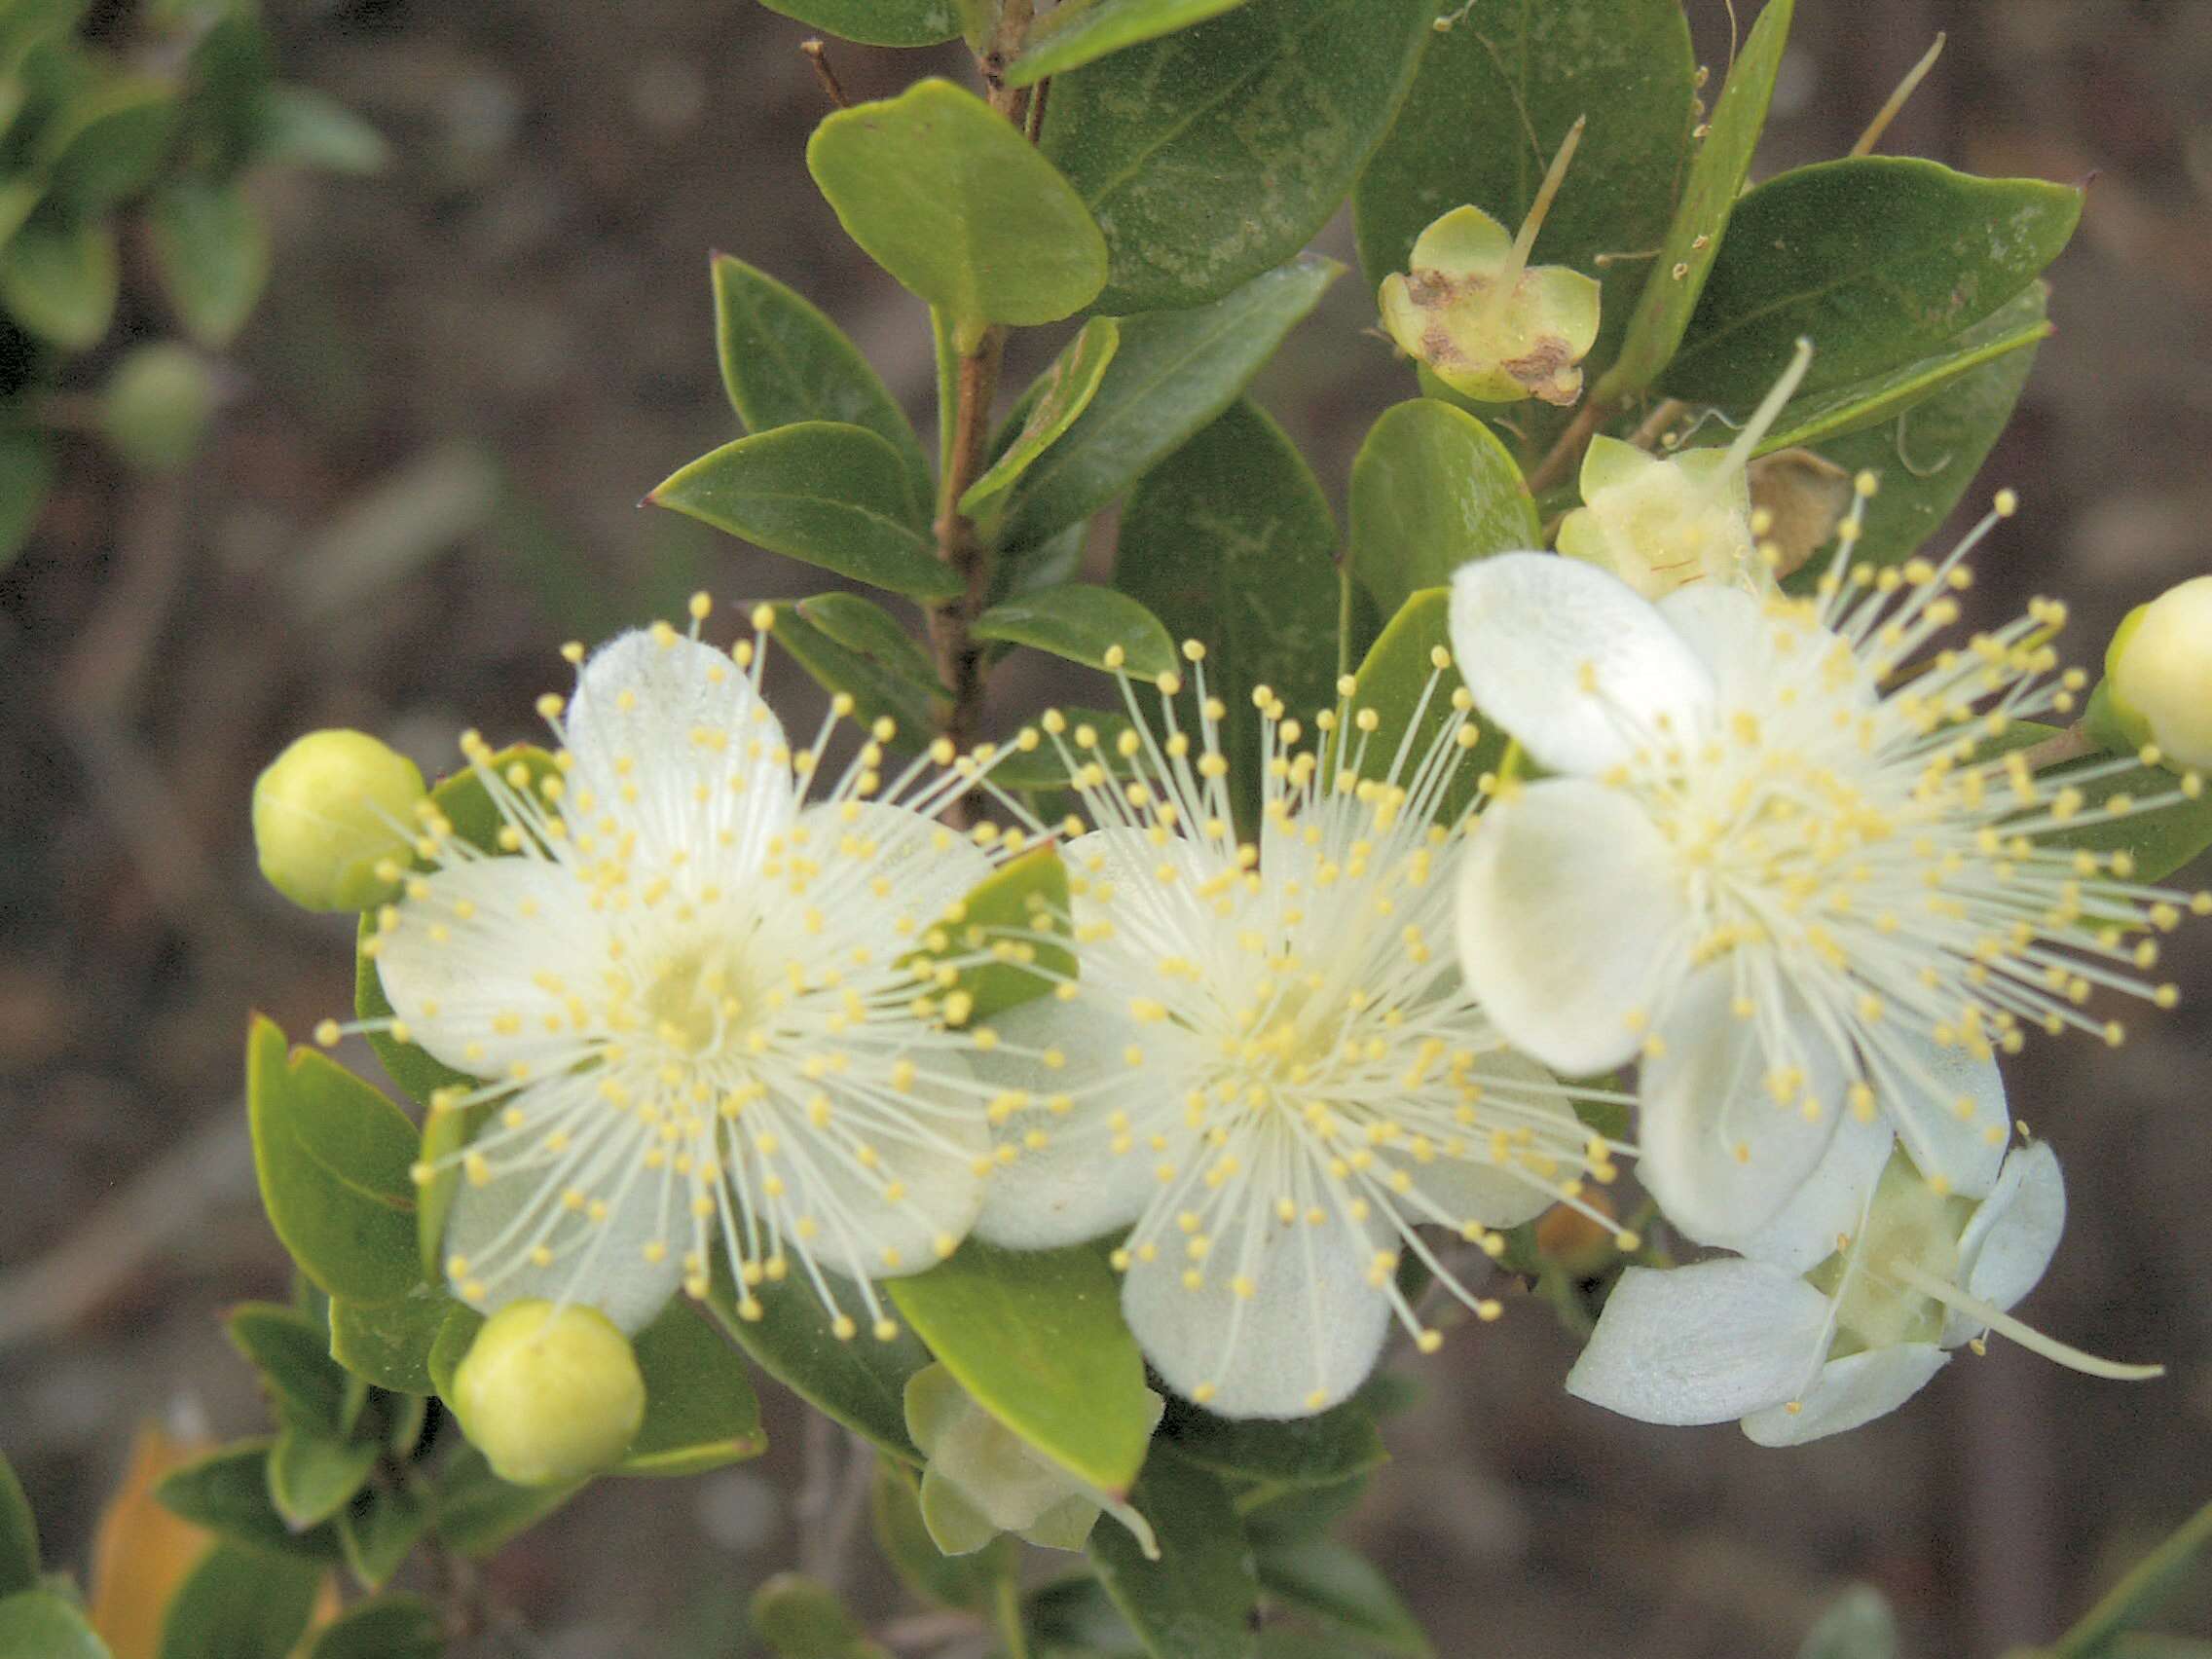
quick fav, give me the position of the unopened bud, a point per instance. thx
(327, 812)
(549, 1396)
(157, 406)
(2158, 686)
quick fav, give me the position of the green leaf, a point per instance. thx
(231, 70)
(39, 1624)
(293, 1355)
(1394, 680)
(1878, 260)
(475, 1512)
(227, 1492)
(1074, 1618)
(1490, 108)
(1858, 1624)
(313, 1475)
(954, 202)
(1343, 1588)
(700, 1413)
(1172, 375)
(1075, 33)
(392, 1627)
(1210, 155)
(18, 1536)
(801, 1618)
(876, 690)
(1280, 1516)
(240, 1604)
(861, 625)
(111, 145)
(2161, 839)
(831, 494)
(1082, 622)
(969, 1581)
(783, 362)
(389, 1342)
(1041, 768)
(27, 473)
(1334, 1446)
(1027, 896)
(861, 1382)
(1694, 235)
(877, 22)
(1050, 408)
(1432, 488)
(379, 1529)
(333, 1157)
(1229, 543)
(1037, 1336)
(450, 1347)
(301, 127)
(1196, 1600)
(212, 249)
(59, 281)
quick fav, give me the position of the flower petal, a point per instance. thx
(2011, 1238)
(1569, 660)
(1476, 1186)
(1948, 1107)
(858, 844)
(1732, 635)
(1701, 1344)
(1850, 1391)
(1832, 1200)
(1572, 921)
(1721, 1150)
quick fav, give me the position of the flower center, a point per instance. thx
(693, 1002)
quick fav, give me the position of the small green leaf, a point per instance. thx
(969, 1581)
(1074, 1618)
(1399, 677)
(2161, 839)
(475, 1512)
(389, 1342)
(27, 473)
(1212, 154)
(39, 1624)
(861, 625)
(1050, 408)
(1878, 260)
(1677, 276)
(953, 202)
(229, 73)
(301, 127)
(333, 1157)
(1196, 1600)
(60, 279)
(227, 1492)
(390, 1627)
(450, 1347)
(212, 248)
(877, 22)
(861, 1382)
(18, 1536)
(1042, 768)
(1038, 1338)
(876, 690)
(1336, 1444)
(1082, 622)
(700, 1413)
(1026, 897)
(783, 362)
(110, 145)
(801, 1618)
(1073, 34)
(379, 1529)
(831, 494)
(1432, 488)
(240, 1604)
(312, 1475)
(1174, 373)
(293, 1355)
(1858, 1624)
(1343, 1588)
(1279, 1516)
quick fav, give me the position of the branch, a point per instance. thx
(1570, 445)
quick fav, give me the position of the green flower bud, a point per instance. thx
(2158, 686)
(157, 406)
(328, 812)
(549, 1396)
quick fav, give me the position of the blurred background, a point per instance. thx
(467, 371)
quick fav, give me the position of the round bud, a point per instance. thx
(549, 1396)
(2159, 674)
(327, 811)
(157, 406)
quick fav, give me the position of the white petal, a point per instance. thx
(1571, 919)
(1701, 1344)
(1075, 1186)
(2011, 1238)
(1831, 1201)
(1147, 891)
(1719, 1151)
(469, 956)
(929, 866)
(1948, 1107)
(1732, 635)
(1305, 1338)
(1851, 1391)
(1475, 1186)
(1530, 629)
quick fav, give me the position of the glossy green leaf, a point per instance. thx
(1196, 1600)
(1279, 1516)
(292, 1352)
(2161, 839)
(450, 1347)
(379, 1529)
(1042, 768)
(1858, 1624)
(1878, 260)
(801, 1618)
(332, 1155)
(313, 1474)
(389, 1342)
(1073, 34)
(212, 248)
(700, 1413)
(1082, 622)
(1494, 101)
(969, 1581)
(1074, 1618)
(39, 1624)
(783, 362)
(301, 127)
(18, 1536)
(1172, 375)
(953, 202)
(877, 22)
(227, 1492)
(1001, 914)
(876, 690)
(1229, 543)
(59, 281)
(1694, 235)
(1432, 488)
(1397, 679)
(859, 1381)
(1212, 154)
(834, 496)
(390, 1627)
(475, 1512)
(861, 625)
(1048, 409)
(1333, 1446)
(27, 473)
(1037, 1336)
(110, 145)
(1343, 1588)
(240, 1604)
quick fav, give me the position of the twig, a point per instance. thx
(959, 659)
(818, 55)
(2069, 745)
(1570, 445)
(1647, 436)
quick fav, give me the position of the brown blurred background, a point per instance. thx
(466, 373)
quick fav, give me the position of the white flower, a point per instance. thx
(684, 992)
(1789, 857)
(1797, 1355)
(1273, 1070)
